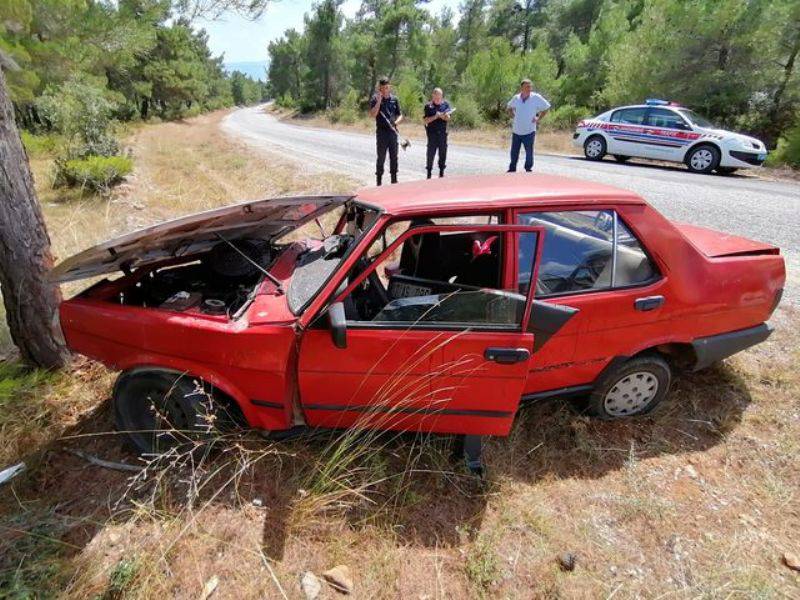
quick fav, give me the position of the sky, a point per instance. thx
(241, 40)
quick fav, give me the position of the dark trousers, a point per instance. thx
(386, 140)
(437, 143)
(516, 142)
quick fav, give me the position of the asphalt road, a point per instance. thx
(740, 204)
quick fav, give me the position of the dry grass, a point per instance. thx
(697, 500)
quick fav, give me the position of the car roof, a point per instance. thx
(491, 192)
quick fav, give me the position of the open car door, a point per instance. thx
(437, 347)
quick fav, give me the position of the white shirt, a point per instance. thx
(525, 112)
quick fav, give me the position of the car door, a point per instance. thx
(626, 132)
(593, 263)
(667, 134)
(446, 352)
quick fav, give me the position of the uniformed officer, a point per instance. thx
(385, 108)
(436, 114)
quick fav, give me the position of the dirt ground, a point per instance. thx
(699, 499)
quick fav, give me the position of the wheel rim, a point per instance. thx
(594, 148)
(702, 159)
(631, 394)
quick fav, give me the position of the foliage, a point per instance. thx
(734, 60)
(95, 173)
(40, 145)
(566, 116)
(467, 114)
(788, 150)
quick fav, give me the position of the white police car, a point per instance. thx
(667, 131)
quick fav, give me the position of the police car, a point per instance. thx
(664, 130)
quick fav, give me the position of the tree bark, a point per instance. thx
(25, 258)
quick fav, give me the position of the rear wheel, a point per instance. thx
(634, 388)
(161, 410)
(703, 159)
(621, 158)
(594, 148)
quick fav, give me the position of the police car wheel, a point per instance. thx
(703, 159)
(594, 148)
(620, 158)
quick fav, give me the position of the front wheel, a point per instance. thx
(635, 388)
(594, 148)
(703, 159)
(160, 410)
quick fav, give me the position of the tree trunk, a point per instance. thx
(25, 258)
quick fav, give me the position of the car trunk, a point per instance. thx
(716, 244)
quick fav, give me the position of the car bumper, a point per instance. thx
(711, 349)
(578, 138)
(742, 159)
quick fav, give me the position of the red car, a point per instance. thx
(431, 306)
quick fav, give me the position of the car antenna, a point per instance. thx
(269, 275)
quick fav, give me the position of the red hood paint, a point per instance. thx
(715, 244)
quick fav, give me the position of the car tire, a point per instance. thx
(594, 148)
(634, 388)
(621, 158)
(726, 170)
(160, 410)
(703, 158)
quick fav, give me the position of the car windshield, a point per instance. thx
(695, 118)
(315, 266)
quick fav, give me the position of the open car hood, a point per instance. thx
(194, 234)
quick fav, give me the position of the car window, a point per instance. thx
(439, 277)
(578, 253)
(632, 116)
(661, 117)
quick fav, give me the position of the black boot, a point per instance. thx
(441, 172)
(378, 178)
(394, 177)
(429, 174)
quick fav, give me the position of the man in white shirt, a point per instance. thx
(527, 109)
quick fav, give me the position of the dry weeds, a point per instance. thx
(699, 499)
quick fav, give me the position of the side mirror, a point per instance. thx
(338, 324)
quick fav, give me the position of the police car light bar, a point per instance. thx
(656, 102)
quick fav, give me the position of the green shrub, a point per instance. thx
(45, 144)
(565, 116)
(467, 115)
(96, 173)
(348, 111)
(788, 150)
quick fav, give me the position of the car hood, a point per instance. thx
(194, 234)
(716, 244)
(724, 134)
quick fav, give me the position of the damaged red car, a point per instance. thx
(435, 306)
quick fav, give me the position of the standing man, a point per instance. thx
(385, 109)
(527, 109)
(436, 114)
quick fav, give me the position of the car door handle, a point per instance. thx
(507, 356)
(648, 303)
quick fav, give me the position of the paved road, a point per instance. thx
(744, 205)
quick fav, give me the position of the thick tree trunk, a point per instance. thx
(30, 301)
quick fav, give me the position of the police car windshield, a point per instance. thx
(695, 118)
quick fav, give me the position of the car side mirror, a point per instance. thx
(338, 324)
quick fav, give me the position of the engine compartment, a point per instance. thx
(221, 282)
